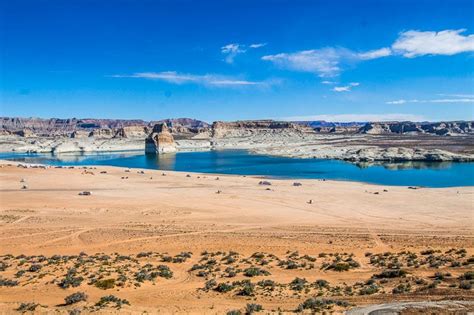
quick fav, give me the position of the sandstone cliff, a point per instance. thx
(160, 140)
(438, 128)
(250, 127)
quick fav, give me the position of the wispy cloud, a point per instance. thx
(328, 82)
(233, 50)
(183, 78)
(357, 117)
(325, 62)
(374, 54)
(458, 95)
(346, 88)
(439, 100)
(257, 45)
(448, 42)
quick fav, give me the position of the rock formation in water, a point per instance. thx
(160, 140)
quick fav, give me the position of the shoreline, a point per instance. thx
(346, 147)
(259, 176)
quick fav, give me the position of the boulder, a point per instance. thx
(160, 140)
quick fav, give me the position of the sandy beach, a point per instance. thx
(133, 211)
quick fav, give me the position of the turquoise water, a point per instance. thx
(432, 174)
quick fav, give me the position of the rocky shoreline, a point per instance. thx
(395, 142)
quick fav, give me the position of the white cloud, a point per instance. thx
(374, 54)
(448, 42)
(329, 61)
(258, 45)
(325, 62)
(231, 51)
(341, 88)
(441, 100)
(358, 117)
(397, 102)
(458, 95)
(182, 78)
(345, 88)
(328, 82)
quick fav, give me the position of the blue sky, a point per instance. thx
(229, 60)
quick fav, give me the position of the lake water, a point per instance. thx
(432, 174)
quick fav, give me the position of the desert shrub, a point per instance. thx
(401, 288)
(265, 183)
(234, 312)
(75, 298)
(469, 275)
(455, 264)
(321, 284)
(466, 285)
(3, 266)
(70, 280)
(106, 300)
(309, 258)
(391, 273)
(247, 289)
(34, 268)
(267, 284)
(27, 307)
(224, 287)
(210, 284)
(254, 271)
(105, 284)
(165, 272)
(19, 273)
(251, 308)
(427, 252)
(144, 254)
(339, 266)
(319, 304)
(298, 284)
(368, 290)
(8, 282)
(288, 264)
(230, 272)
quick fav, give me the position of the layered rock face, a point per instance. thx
(250, 127)
(132, 132)
(439, 128)
(96, 128)
(160, 140)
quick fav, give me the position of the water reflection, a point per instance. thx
(405, 165)
(164, 161)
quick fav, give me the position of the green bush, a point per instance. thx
(105, 284)
(75, 298)
(252, 308)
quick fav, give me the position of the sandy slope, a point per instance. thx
(129, 212)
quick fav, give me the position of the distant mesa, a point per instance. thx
(160, 140)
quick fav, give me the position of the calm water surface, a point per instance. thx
(432, 174)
